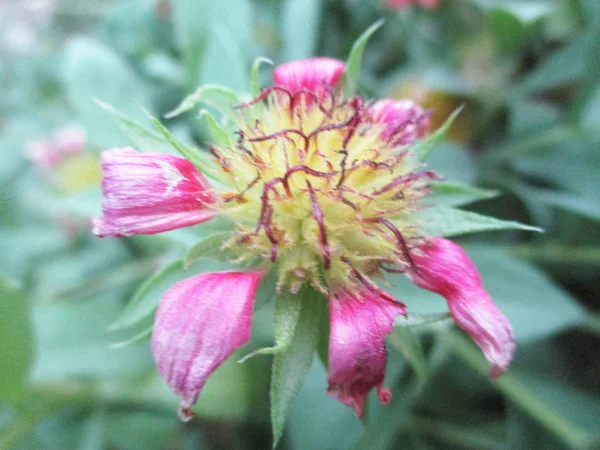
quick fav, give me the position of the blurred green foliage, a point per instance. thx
(528, 75)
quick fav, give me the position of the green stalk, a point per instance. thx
(514, 390)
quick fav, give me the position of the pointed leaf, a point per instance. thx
(354, 60)
(287, 314)
(452, 193)
(216, 96)
(218, 133)
(423, 148)
(444, 221)
(202, 160)
(290, 368)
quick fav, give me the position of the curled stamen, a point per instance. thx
(406, 179)
(239, 197)
(320, 219)
(282, 133)
(367, 284)
(309, 171)
(263, 95)
(401, 241)
(342, 165)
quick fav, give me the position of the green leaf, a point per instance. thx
(300, 28)
(287, 314)
(142, 138)
(219, 135)
(580, 205)
(452, 193)
(219, 97)
(254, 78)
(444, 221)
(73, 341)
(405, 340)
(290, 367)
(423, 148)
(211, 247)
(509, 32)
(522, 396)
(16, 340)
(354, 61)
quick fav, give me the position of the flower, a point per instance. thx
(328, 189)
(46, 154)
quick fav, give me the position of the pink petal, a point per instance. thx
(404, 121)
(70, 140)
(357, 354)
(315, 75)
(200, 322)
(446, 269)
(147, 193)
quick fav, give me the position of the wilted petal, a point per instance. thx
(315, 75)
(404, 121)
(357, 354)
(444, 268)
(200, 322)
(147, 193)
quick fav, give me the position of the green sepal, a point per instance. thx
(290, 367)
(202, 160)
(219, 97)
(211, 247)
(354, 61)
(218, 133)
(444, 221)
(254, 78)
(142, 138)
(287, 314)
(422, 149)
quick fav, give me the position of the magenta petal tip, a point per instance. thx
(446, 269)
(357, 353)
(199, 323)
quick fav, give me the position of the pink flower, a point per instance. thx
(444, 268)
(428, 4)
(357, 354)
(200, 322)
(46, 154)
(311, 77)
(70, 140)
(147, 193)
(404, 121)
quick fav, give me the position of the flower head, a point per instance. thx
(327, 188)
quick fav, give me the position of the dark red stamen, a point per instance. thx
(317, 213)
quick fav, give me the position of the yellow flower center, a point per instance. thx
(319, 190)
